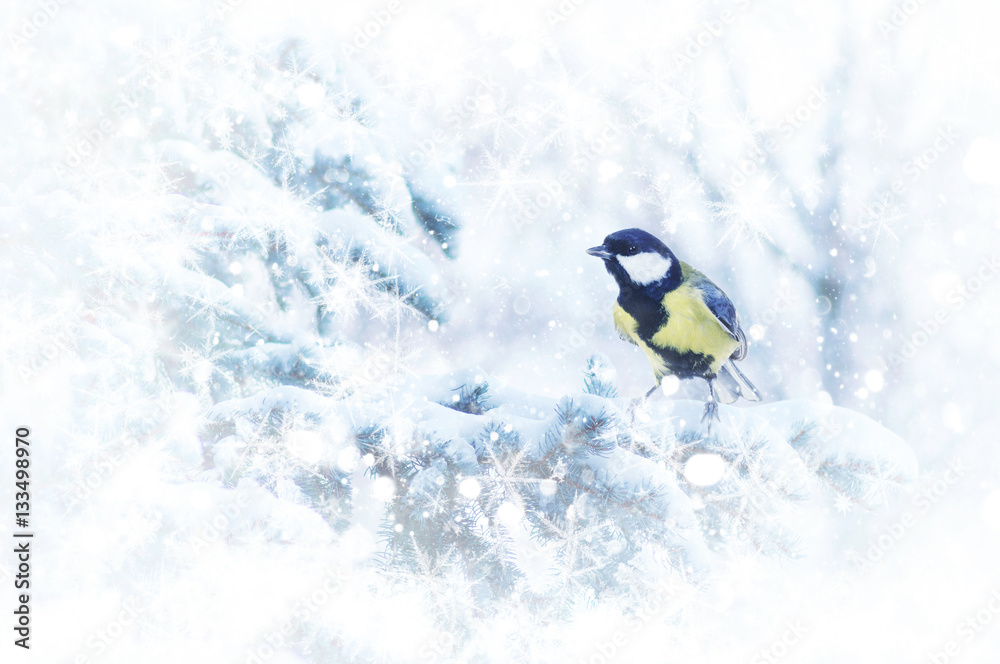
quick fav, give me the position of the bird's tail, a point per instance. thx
(731, 384)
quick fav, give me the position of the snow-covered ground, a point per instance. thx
(295, 303)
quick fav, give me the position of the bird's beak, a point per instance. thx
(600, 252)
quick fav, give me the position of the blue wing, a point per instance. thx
(721, 307)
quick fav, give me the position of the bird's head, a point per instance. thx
(639, 261)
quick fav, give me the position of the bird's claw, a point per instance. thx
(711, 413)
(634, 406)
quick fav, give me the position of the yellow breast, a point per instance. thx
(691, 327)
(626, 326)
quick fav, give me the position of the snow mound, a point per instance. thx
(465, 467)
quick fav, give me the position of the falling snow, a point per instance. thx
(297, 306)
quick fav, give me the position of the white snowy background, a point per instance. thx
(294, 300)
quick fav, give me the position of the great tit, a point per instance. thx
(682, 321)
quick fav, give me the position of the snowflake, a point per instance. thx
(879, 133)
(882, 221)
(504, 119)
(576, 552)
(507, 472)
(811, 186)
(344, 288)
(744, 221)
(843, 503)
(253, 156)
(506, 181)
(657, 101)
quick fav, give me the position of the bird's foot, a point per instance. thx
(639, 403)
(634, 406)
(711, 414)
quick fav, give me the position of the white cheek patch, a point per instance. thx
(647, 268)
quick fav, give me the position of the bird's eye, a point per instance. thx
(630, 250)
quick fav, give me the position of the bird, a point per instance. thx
(685, 324)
